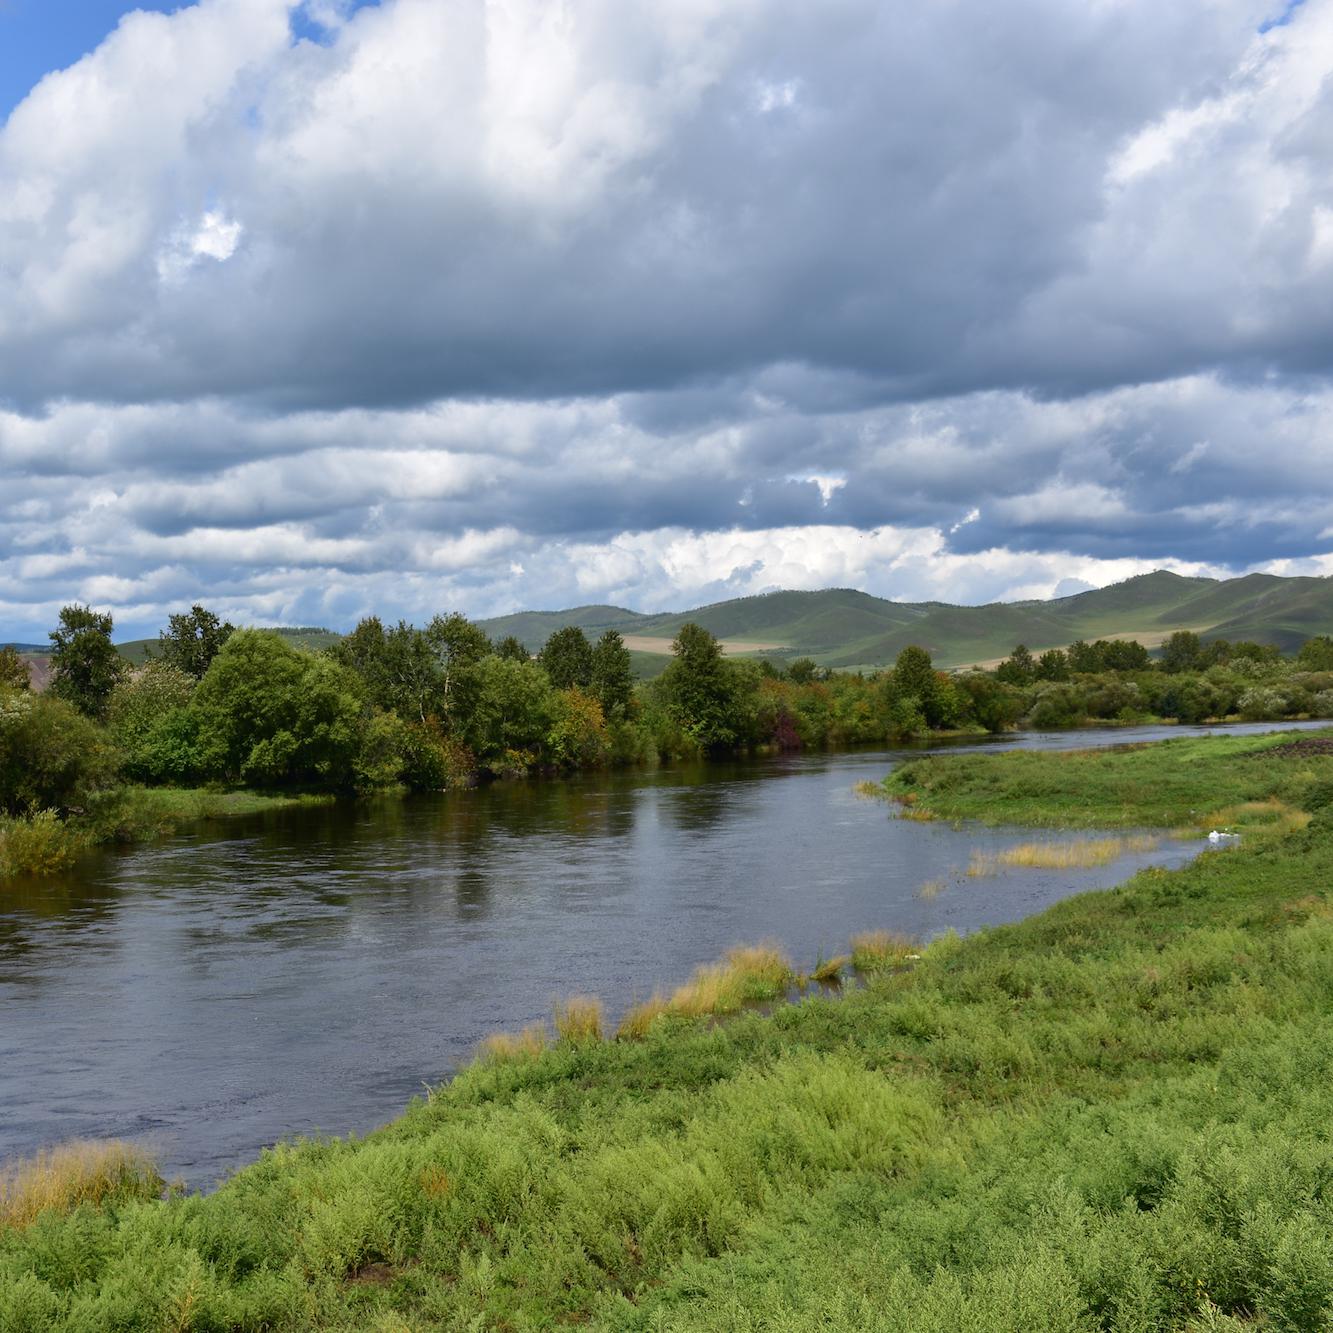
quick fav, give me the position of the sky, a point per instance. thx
(312, 310)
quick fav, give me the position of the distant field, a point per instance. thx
(646, 643)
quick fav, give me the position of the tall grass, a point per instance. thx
(746, 975)
(579, 1018)
(876, 949)
(1078, 853)
(84, 1171)
(528, 1044)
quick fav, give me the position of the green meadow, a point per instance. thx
(1115, 1115)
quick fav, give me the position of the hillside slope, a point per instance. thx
(842, 627)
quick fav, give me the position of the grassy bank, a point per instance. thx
(1197, 783)
(1112, 1116)
(44, 844)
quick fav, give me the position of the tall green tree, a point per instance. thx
(1183, 651)
(85, 665)
(567, 659)
(698, 689)
(192, 640)
(512, 649)
(1018, 668)
(612, 675)
(1316, 654)
(457, 646)
(269, 714)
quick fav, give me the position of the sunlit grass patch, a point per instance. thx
(931, 889)
(1272, 816)
(529, 1043)
(84, 1171)
(756, 972)
(639, 1018)
(870, 791)
(579, 1018)
(1076, 854)
(876, 949)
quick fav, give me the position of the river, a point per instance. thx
(310, 970)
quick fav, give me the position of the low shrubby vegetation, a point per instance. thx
(1112, 1116)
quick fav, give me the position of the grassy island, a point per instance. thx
(1115, 1115)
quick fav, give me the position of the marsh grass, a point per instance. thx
(870, 791)
(931, 889)
(579, 1018)
(1077, 854)
(524, 1045)
(874, 950)
(639, 1018)
(83, 1171)
(828, 971)
(746, 975)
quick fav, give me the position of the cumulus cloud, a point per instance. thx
(312, 309)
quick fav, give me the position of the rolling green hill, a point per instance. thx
(842, 627)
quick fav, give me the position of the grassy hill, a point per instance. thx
(842, 627)
(310, 638)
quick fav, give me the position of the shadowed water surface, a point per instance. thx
(308, 970)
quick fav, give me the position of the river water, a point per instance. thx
(309, 970)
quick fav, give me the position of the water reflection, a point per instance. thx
(309, 969)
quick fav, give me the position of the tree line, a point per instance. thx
(440, 705)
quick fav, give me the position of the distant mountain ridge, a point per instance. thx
(842, 627)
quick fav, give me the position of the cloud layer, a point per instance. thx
(527, 303)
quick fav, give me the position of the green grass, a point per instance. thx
(1114, 1115)
(1191, 783)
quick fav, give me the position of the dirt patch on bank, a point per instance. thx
(1301, 749)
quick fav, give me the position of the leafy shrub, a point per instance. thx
(51, 756)
(38, 844)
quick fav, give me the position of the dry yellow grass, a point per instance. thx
(830, 969)
(640, 1017)
(932, 888)
(1079, 853)
(84, 1171)
(1270, 816)
(870, 791)
(530, 1042)
(875, 949)
(756, 972)
(579, 1018)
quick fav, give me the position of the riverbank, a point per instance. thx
(1106, 1116)
(44, 844)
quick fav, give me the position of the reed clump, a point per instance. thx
(873, 950)
(829, 970)
(746, 975)
(579, 1018)
(83, 1171)
(931, 889)
(528, 1044)
(1078, 853)
(870, 791)
(639, 1018)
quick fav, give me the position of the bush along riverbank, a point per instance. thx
(1111, 1116)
